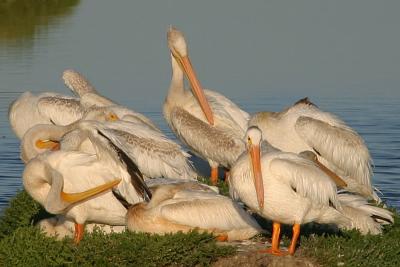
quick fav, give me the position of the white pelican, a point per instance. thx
(211, 125)
(59, 227)
(89, 97)
(186, 206)
(296, 191)
(48, 174)
(153, 153)
(304, 126)
(44, 108)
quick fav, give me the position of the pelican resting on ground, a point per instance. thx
(187, 206)
(304, 126)
(47, 176)
(289, 189)
(59, 227)
(211, 125)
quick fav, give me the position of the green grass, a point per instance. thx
(350, 248)
(22, 244)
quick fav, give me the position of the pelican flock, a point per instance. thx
(92, 162)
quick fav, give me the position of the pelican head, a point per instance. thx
(100, 114)
(179, 51)
(176, 42)
(253, 140)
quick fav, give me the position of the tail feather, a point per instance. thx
(364, 216)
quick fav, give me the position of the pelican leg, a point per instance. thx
(296, 234)
(276, 231)
(79, 230)
(222, 237)
(214, 175)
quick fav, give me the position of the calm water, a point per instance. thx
(126, 58)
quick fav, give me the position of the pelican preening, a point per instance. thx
(211, 125)
(290, 189)
(186, 206)
(304, 126)
(49, 174)
(153, 153)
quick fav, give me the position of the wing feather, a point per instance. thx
(77, 83)
(207, 210)
(59, 110)
(341, 146)
(206, 141)
(306, 178)
(152, 151)
(227, 114)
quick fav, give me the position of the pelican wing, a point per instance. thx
(206, 210)
(77, 83)
(61, 111)
(227, 114)
(215, 144)
(341, 146)
(135, 174)
(152, 151)
(133, 116)
(305, 178)
(94, 99)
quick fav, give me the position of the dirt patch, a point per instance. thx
(248, 255)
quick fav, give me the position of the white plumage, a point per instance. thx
(153, 153)
(47, 175)
(89, 97)
(187, 206)
(304, 126)
(211, 125)
(44, 108)
(296, 191)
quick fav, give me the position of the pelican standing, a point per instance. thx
(304, 126)
(211, 125)
(186, 206)
(289, 189)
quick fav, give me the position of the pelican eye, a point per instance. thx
(112, 117)
(249, 140)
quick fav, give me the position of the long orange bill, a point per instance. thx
(76, 197)
(197, 89)
(338, 181)
(257, 174)
(47, 144)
